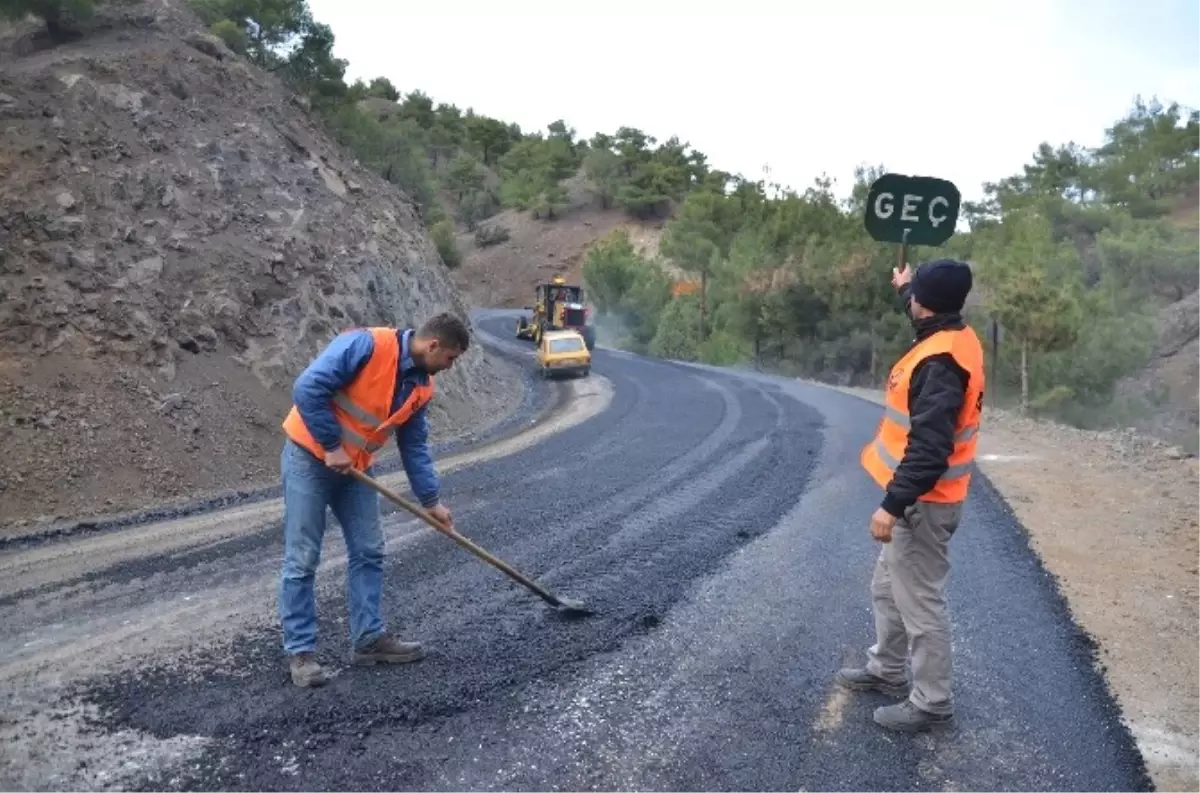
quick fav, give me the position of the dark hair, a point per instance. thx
(447, 329)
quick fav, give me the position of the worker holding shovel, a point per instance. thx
(366, 384)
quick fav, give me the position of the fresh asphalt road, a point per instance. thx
(717, 522)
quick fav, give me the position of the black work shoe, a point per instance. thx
(862, 680)
(907, 717)
(306, 672)
(387, 650)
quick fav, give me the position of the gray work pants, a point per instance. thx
(908, 590)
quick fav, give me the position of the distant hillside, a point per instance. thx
(529, 251)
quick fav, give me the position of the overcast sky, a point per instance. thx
(962, 90)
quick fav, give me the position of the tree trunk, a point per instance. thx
(757, 346)
(1024, 377)
(703, 302)
(873, 355)
(995, 392)
(54, 26)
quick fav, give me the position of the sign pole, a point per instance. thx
(909, 210)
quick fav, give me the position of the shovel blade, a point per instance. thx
(573, 608)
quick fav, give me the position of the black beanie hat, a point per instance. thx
(942, 285)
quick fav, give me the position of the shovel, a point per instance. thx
(568, 607)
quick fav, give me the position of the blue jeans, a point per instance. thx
(308, 488)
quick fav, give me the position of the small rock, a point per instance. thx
(66, 226)
(1174, 453)
(146, 270)
(5, 99)
(81, 259)
(66, 200)
(353, 186)
(207, 337)
(210, 45)
(171, 402)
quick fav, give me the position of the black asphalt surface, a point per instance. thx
(717, 523)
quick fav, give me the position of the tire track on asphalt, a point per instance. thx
(614, 505)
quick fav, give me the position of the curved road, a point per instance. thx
(716, 521)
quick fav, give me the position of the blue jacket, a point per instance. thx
(333, 369)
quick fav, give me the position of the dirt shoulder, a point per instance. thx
(1113, 515)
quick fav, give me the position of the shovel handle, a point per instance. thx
(454, 535)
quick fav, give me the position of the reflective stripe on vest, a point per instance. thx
(882, 455)
(952, 472)
(349, 435)
(363, 407)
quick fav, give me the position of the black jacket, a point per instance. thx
(935, 396)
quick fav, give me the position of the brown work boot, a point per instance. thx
(306, 672)
(387, 650)
(861, 680)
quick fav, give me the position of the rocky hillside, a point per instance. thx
(177, 239)
(1169, 389)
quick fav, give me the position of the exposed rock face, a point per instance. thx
(1169, 388)
(177, 239)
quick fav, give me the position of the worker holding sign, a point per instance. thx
(922, 456)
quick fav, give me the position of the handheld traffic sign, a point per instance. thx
(912, 210)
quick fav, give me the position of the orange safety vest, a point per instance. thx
(362, 407)
(882, 455)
